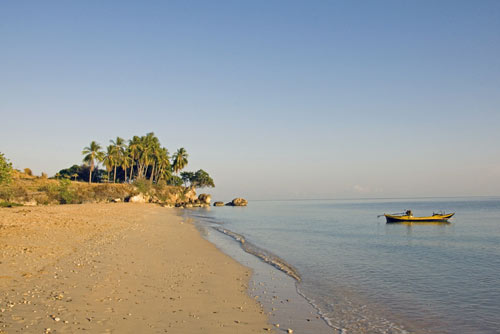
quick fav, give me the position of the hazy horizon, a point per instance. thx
(275, 100)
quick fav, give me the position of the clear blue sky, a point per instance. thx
(275, 99)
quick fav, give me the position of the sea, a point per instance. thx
(338, 267)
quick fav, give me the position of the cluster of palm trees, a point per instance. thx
(142, 158)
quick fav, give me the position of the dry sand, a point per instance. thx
(122, 268)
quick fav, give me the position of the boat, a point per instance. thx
(408, 217)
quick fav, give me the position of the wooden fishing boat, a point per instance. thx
(408, 217)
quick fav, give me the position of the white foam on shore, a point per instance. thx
(321, 314)
(262, 254)
(281, 265)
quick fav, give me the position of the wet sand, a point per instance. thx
(122, 268)
(275, 290)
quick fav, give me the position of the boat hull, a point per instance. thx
(412, 219)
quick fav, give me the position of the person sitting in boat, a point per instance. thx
(409, 213)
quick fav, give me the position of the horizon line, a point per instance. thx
(365, 198)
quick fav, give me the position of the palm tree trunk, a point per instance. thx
(108, 174)
(125, 170)
(157, 174)
(152, 173)
(140, 168)
(131, 170)
(90, 170)
(145, 168)
(114, 175)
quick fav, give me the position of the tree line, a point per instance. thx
(140, 158)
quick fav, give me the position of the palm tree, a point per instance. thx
(93, 155)
(109, 159)
(125, 163)
(118, 152)
(75, 175)
(163, 164)
(156, 152)
(145, 149)
(143, 157)
(150, 150)
(133, 152)
(180, 160)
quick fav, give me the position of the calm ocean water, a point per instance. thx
(367, 276)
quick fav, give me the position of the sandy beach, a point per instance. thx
(118, 268)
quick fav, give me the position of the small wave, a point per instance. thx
(281, 265)
(262, 254)
(322, 315)
(203, 218)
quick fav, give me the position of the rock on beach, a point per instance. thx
(140, 198)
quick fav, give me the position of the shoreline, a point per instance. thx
(276, 289)
(118, 268)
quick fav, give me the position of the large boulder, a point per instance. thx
(172, 197)
(190, 195)
(31, 202)
(238, 202)
(219, 204)
(139, 199)
(204, 198)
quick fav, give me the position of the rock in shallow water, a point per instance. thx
(204, 198)
(238, 202)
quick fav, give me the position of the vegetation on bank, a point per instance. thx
(32, 190)
(27, 189)
(142, 166)
(140, 158)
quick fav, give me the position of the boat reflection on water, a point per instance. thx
(422, 223)
(412, 227)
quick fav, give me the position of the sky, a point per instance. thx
(275, 99)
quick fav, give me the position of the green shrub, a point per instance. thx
(41, 198)
(143, 185)
(52, 192)
(10, 192)
(163, 192)
(5, 169)
(5, 193)
(62, 193)
(107, 192)
(66, 194)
